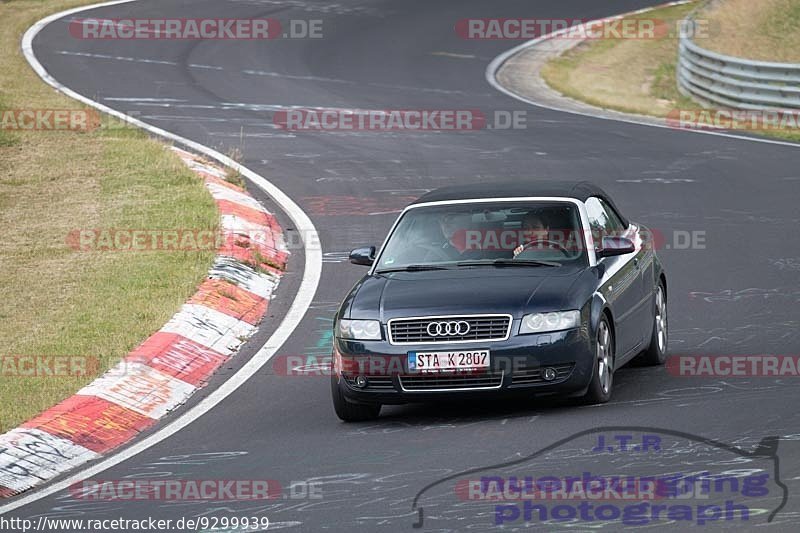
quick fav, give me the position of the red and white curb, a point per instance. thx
(167, 368)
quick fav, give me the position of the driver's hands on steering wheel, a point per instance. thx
(551, 244)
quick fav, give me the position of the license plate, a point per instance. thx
(448, 361)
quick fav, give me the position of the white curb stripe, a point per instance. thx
(230, 269)
(224, 193)
(31, 456)
(140, 388)
(209, 327)
(200, 167)
(258, 233)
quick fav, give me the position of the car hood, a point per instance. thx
(514, 291)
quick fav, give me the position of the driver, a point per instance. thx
(449, 224)
(534, 230)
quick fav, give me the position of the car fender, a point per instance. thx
(597, 306)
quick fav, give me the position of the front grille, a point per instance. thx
(481, 328)
(374, 383)
(433, 382)
(529, 376)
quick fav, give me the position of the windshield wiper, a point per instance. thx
(510, 262)
(412, 268)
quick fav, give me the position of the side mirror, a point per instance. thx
(363, 256)
(613, 246)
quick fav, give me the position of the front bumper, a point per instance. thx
(516, 367)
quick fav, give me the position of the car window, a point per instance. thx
(603, 221)
(448, 234)
(614, 222)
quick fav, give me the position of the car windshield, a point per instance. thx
(546, 234)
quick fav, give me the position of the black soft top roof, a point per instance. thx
(579, 190)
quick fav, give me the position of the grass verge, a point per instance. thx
(59, 301)
(765, 30)
(638, 75)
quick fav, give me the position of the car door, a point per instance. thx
(645, 259)
(622, 284)
(643, 263)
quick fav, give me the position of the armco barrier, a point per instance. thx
(726, 81)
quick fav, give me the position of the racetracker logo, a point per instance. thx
(732, 366)
(502, 239)
(580, 29)
(380, 119)
(176, 490)
(46, 366)
(141, 240)
(730, 119)
(194, 490)
(175, 29)
(49, 120)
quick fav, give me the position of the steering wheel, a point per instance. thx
(552, 244)
(438, 252)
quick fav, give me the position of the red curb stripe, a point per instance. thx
(264, 243)
(226, 207)
(230, 299)
(262, 239)
(246, 255)
(244, 249)
(91, 422)
(178, 357)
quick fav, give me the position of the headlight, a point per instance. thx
(366, 330)
(544, 322)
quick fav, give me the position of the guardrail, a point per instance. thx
(727, 81)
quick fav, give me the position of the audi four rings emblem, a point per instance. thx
(448, 329)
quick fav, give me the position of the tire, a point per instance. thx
(656, 352)
(602, 383)
(352, 412)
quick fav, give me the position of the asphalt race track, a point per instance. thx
(737, 295)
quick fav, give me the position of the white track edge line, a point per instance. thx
(301, 303)
(497, 62)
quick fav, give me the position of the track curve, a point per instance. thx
(737, 296)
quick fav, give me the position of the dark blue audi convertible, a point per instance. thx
(542, 288)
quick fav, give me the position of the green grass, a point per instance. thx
(755, 29)
(60, 301)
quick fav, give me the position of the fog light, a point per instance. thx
(549, 374)
(361, 382)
